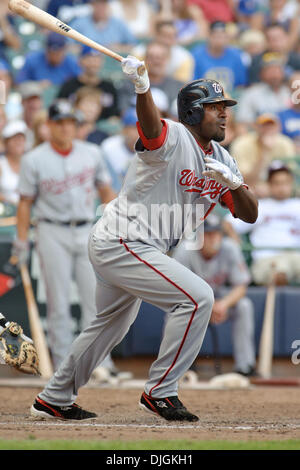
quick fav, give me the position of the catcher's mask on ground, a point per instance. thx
(194, 95)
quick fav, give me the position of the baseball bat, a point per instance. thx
(36, 329)
(265, 358)
(8, 221)
(45, 20)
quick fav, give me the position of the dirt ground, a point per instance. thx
(260, 413)
(257, 413)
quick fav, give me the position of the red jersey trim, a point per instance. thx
(157, 142)
(207, 152)
(63, 153)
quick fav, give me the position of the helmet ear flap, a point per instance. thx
(193, 115)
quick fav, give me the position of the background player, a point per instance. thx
(220, 262)
(59, 179)
(128, 251)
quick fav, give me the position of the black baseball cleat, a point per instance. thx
(169, 408)
(43, 410)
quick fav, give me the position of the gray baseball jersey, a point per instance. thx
(63, 186)
(163, 189)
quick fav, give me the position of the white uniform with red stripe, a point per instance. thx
(132, 266)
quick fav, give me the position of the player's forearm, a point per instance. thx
(23, 218)
(9, 36)
(148, 115)
(236, 294)
(245, 204)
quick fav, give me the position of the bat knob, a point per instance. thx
(141, 70)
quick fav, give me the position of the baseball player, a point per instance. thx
(59, 180)
(219, 261)
(178, 165)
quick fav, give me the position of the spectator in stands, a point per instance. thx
(276, 41)
(8, 33)
(3, 122)
(255, 150)
(14, 142)
(52, 66)
(290, 117)
(248, 15)
(189, 20)
(216, 10)
(275, 236)
(91, 62)
(271, 95)
(220, 263)
(103, 28)
(12, 106)
(32, 103)
(181, 63)
(287, 14)
(40, 127)
(118, 150)
(253, 44)
(137, 15)
(156, 60)
(219, 61)
(67, 10)
(88, 101)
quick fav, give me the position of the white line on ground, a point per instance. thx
(246, 427)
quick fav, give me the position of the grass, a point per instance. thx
(35, 444)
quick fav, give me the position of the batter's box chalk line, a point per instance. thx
(204, 426)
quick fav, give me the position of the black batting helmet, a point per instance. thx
(192, 97)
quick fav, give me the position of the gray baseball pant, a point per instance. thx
(127, 273)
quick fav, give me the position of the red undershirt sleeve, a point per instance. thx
(228, 200)
(157, 142)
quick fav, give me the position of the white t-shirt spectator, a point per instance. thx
(277, 225)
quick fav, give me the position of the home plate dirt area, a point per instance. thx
(256, 413)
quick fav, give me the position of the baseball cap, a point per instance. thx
(217, 25)
(55, 41)
(86, 50)
(271, 58)
(30, 89)
(129, 118)
(13, 128)
(266, 118)
(61, 109)
(247, 7)
(212, 223)
(278, 165)
(251, 36)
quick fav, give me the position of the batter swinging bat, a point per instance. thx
(36, 329)
(42, 18)
(266, 340)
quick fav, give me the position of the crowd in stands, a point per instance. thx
(252, 47)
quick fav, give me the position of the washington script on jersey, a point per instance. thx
(204, 186)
